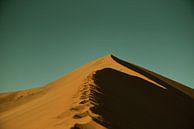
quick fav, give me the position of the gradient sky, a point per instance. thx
(41, 40)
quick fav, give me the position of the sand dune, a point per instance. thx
(107, 93)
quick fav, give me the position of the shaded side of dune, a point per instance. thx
(170, 84)
(129, 102)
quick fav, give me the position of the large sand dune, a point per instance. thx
(107, 93)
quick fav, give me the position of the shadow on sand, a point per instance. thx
(129, 102)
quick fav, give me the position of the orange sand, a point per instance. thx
(106, 93)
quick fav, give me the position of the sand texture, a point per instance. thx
(107, 93)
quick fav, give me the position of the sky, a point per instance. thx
(42, 40)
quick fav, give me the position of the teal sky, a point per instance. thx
(41, 40)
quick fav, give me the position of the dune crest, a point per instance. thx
(107, 93)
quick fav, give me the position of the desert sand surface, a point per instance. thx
(107, 93)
